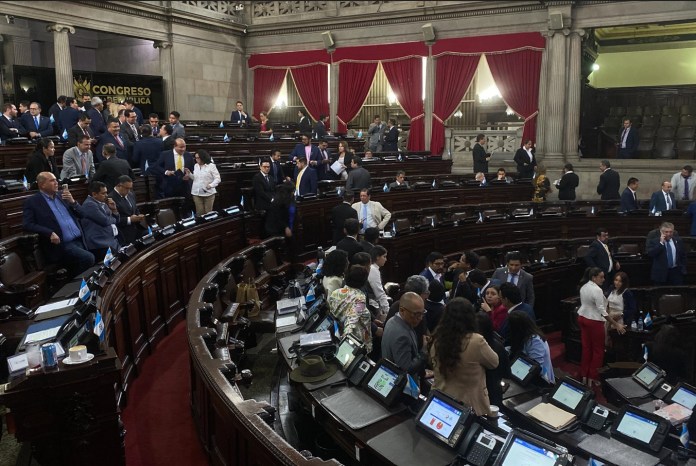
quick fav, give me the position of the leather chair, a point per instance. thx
(687, 120)
(549, 254)
(669, 120)
(645, 148)
(617, 111)
(402, 226)
(664, 149)
(651, 120)
(667, 110)
(636, 110)
(17, 286)
(611, 124)
(685, 132)
(687, 110)
(665, 131)
(686, 149)
(647, 133)
(485, 264)
(670, 304)
(166, 217)
(582, 251)
(628, 249)
(652, 110)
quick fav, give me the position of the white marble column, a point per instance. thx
(166, 62)
(429, 103)
(249, 77)
(540, 140)
(333, 96)
(556, 98)
(63, 62)
(572, 126)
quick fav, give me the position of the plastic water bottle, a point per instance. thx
(640, 323)
(320, 267)
(634, 326)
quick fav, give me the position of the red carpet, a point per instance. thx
(159, 428)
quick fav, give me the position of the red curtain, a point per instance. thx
(406, 80)
(312, 83)
(516, 75)
(267, 85)
(453, 75)
(354, 81)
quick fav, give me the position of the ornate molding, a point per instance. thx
(60, 28)
(162, 44)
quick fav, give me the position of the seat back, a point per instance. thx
(687, 110)
(686, 132)
(166, 217)
(652, 110)
(628, 249)
(617, 111)
(11, 269)
(645, 148)
(665, 132)
(651, 120)
(664, 149)
(666, 110)
(669, 304)
(647, 133)
(402, 225)
(686, 149)
(582, 251)
(634, 110)
(549, 254)
(485, 264)
(248, 271)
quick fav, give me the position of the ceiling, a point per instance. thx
(663, 35)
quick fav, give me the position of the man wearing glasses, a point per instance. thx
(399, 341)
(36, 125)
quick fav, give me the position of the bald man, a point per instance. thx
(399, 342)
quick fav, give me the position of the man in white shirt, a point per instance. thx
(371, 213)
(683, 183)
(374, 279)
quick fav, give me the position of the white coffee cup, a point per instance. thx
(494, 411)
(33, 356)
(78, 353)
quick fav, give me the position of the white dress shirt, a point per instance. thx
(204, 176)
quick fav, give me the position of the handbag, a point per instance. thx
(252, 295)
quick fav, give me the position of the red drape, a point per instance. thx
(453, 75)
(267, 85)
(288, 59)
(489, 44)
(406, 80)
(354, 81)
(312, 83)
(516, 75)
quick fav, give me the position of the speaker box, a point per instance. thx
(328, 39)
(556, 21)
(428, 32)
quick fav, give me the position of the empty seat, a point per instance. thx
(666, 110)
(611, 123)
(485, 264)
(628, 249)
(165, 217)
(669, 120)
(402, 225)
(652, 110)
(665, 132)
(617, 111)
(582, 251)
(635, 119)
(647, 133)
(664, 149)
(670, 304)
(687, 120)
(651, 120)
(548, 254)
(685, 132)
(637, 110)
(645, 148)
(687, 110)
(686, 149)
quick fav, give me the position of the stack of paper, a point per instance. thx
(552, 416)
(674, 413)
(318, 338)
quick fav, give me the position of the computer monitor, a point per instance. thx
(683, 394)
(571, 395)
(640, 428)
(385, 382)
(348, 349)
(327, 323)
(523, 450)
(523, 370)
(443, 418)
(649, 376)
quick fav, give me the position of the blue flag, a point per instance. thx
(337, 332)
(684, 436)
(241, 202)
(53, 120)
(594, 462)
(84, 293)
(108, 257)
(359, 134)
(25, 182)
(226, 138)
(411, 388)
(645, 352)
(647, 322)
(385, 188)
(99, 326)
(271, 138)
(434, 185)
(310, 295)
(65, 134)
(149, 230)
(221, 124)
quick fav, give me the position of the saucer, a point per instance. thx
(69, 361)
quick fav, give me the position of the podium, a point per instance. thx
(70, 415)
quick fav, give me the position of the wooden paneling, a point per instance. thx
(151, 308)
(170, 279)
(136, 320)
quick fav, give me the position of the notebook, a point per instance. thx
(552, 416)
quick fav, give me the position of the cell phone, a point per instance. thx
(65, 187)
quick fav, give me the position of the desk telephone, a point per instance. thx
(594, 416)
(479, 447)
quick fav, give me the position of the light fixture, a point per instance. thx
(509, 111)
(458, 114)
(488, 94)
(391, 97)
(595, 67)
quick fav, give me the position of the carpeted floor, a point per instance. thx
(159, 428)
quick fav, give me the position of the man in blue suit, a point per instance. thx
(307, 151)
(147, 150)
(305, 178)
(668, 257)
(97, 123)
(629, 196)
(239, 115)
(99, 219)
(512, 300)
(112, 136)
(69, 115)
(434, 267)
(37, 126)
(172, 164)
(628, 141)
(53, 217)
(663, 199)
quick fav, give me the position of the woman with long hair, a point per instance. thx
(542, 185)
(494, 307)
(495, 376)
(344, 157)
(622, 303)
(528, 339)
(591, 317)
(460, 356)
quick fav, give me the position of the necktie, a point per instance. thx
(635, 199)
(179, 162)
(670, 257)
(364, 216)
(668, 201)
(36, 122)
(513, 279)
(135, 132)
(686, 189)
(265, 177)
(118, 140)
(84, 164)
(84, 130)
(155, 130)
(275, 172)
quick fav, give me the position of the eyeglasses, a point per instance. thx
(415, 313)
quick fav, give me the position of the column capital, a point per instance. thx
(579, 32)
(162, 44)
(56, 27)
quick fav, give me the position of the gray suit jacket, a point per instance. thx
(358, 178)
(72, 163)
(525, 283)
(178, 131)
(399, 345)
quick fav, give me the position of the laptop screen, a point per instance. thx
(568, 395)
(634, 426)
(646, 375)
(685, 397)
(325, 324)
(526, 452)
(440, 418)
(383, 381)
(346, 352)
(520, 369)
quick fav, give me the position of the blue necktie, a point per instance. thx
(36, 122)
(364, 216)
(670, 258)
(686, 189)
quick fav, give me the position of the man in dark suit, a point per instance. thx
(307, 151)
(97, 123)
(628, 141)
(99, 219)
(263, 186)
(459, 276)
(54, 111)
(130, 105)
(629, 196)
(340, 213)
(112, 168)
(305, 178)
(609, 182)
(69, 115)
(350, 243)
(319, 129)
(112, 136)
(512, 300)
(323, 166)
(154, 124)
(305, 123)
(358, 178)
(9, 126)
(434, 267)
(240, 116)
(276, 172)
(399, 180)
(668, 257)
(129, 128)
(81, 129)
(37, 126)
(481, 158)
(167, 137)
(598, 255)
(130, 221)
(514, 274)
(399, 341)
(391, 137)
(172, 164)
(525, 160)
(61, 241)
(663, 199)
(567, 184)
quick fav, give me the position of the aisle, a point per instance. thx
(159, 428)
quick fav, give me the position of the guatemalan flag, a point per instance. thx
(221, 124)
(645, 352)
(311, 295)
(226, 138)
(65, 135)
(25, 182)
(84, 293)
(684, 436)
(647, 322)
(108, 257)
(99, 326)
